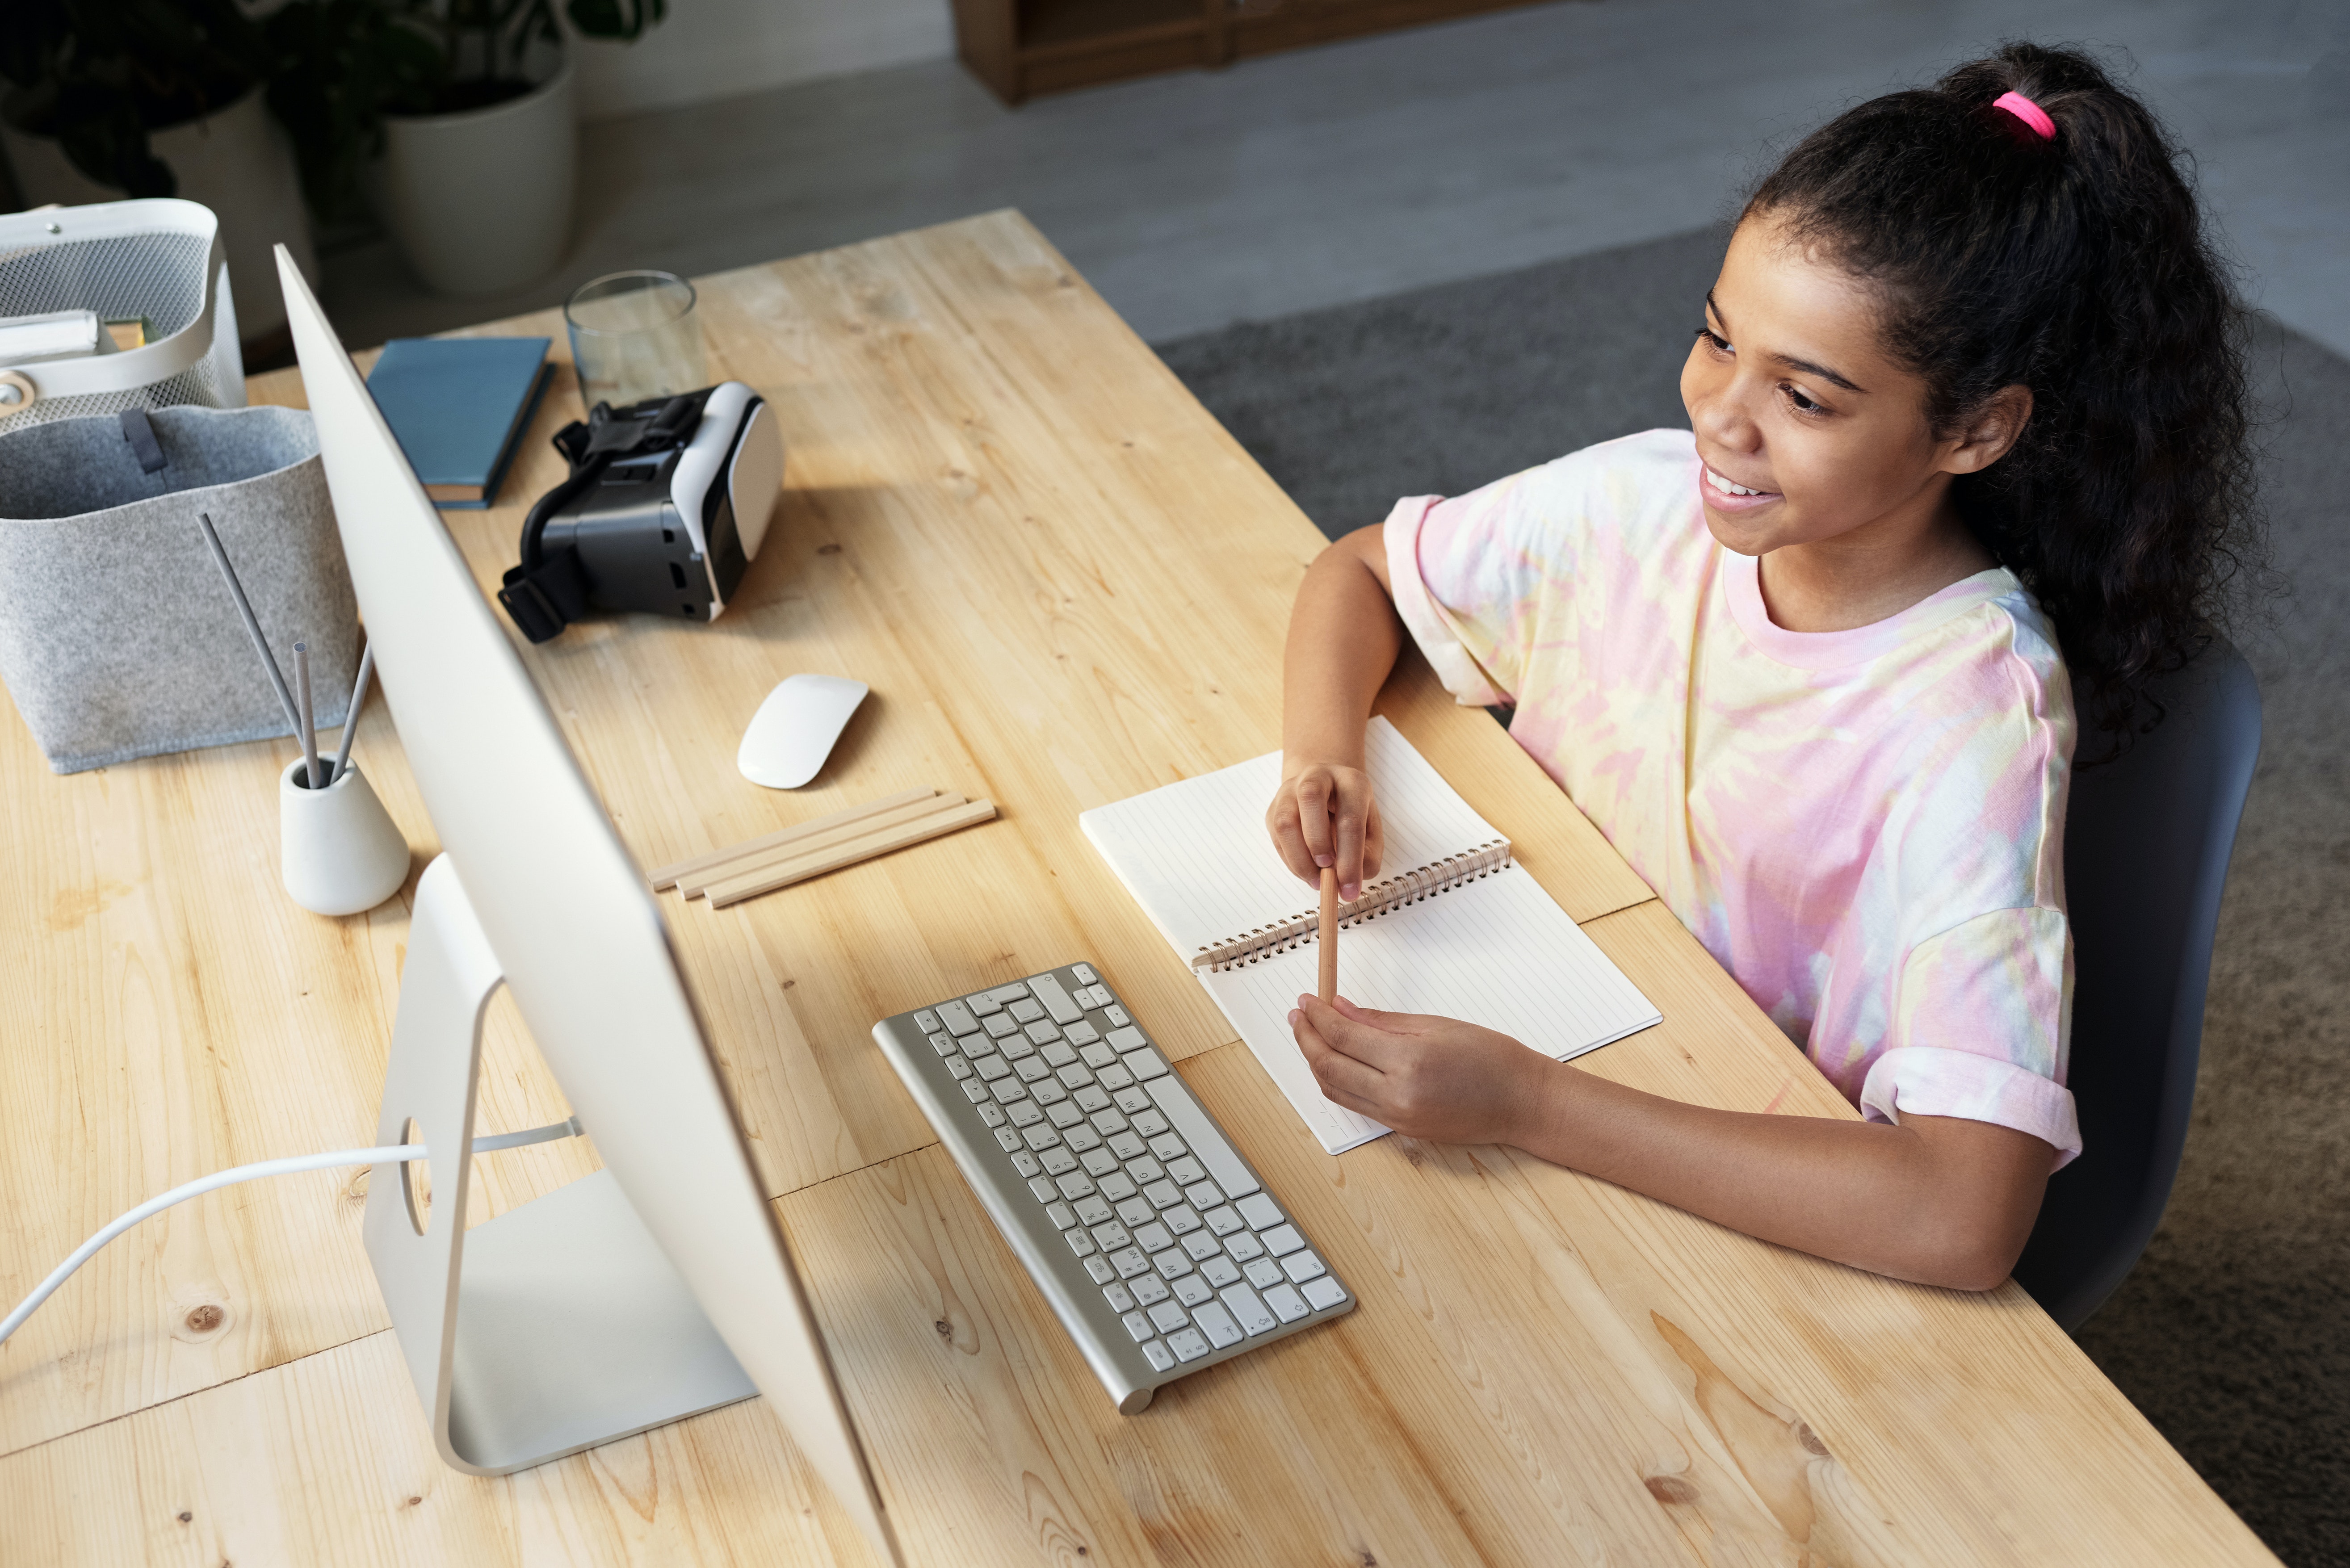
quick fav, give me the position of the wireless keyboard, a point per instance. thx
(1158, 1247)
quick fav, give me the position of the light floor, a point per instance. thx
(1357, 170)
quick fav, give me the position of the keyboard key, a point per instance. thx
(1007, 1090)
(1084, 1034)
(1076, 1184)
(992, 1068)
(1026, 1114)
(1136, 1211)
(1145, 1169)
(1152, 1238)
(1253, 1316)
(1202, 1246)
(1116, 1077)
(982, 1004)
(1167, 1146)
(1191, 1289)
(1059, 1160)
(1158, 1356)
(1144, 1065)
(1043, 1032)
(975, 1091)
(1203, 1195)
(1185, 1172)
(1065, 1115)
(1091, 1211)
(1061, 1215)
(1168, 1317)
(999, 1025)
(1128, 1039)
(1057, 999)
(1092, 1099)
(926, 1021)
(1147, 1119)
(1110, 1237)
(1243, 1246)
(1128, 1263)
(960, 1068)
(1010, 1141)
(1282, 1240)
(976, 1046)
(1263, 1271)
(945, 1045)
(1117, 1015)
(1049, 1092)
(1224, 1221)
(1032, 1069)
(1098, 1056)
(1120, 1299)
(1322, 1292)
(1302, 1266)
(1117, 1187)
(1085, 973)
(1148, 1289)
(1172, 1263)
(1259, 1209)
(1044, 1189)
(1097, 1268)
(1163, 1194)
(1099, 1162)
(1056, 1054)
(1110, 1121)
(1220, 1271)
(1080, 1242)
(1012, 992)
(1027, 1010)
(1187, 1345)
(1075, 1075)
(1181, 1220)
(1014, 1047)
(957, 1018)
(1126, 1144)
(1218, 1323)
(1140, 1327)
(1287, 1303)
(1079, 1137)
(992, 1114)
(1208, 1146)
(1040, 1137)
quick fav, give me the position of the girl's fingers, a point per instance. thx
(1337, 1073)
(1313, 799)
(1352, 804)
(1289, 838)
(1374, 840)
(1350, 1037)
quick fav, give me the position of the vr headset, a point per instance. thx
(667, 504)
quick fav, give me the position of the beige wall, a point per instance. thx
(717, 48)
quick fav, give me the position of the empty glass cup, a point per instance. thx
(633, 337)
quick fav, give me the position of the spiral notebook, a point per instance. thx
(1454, 927)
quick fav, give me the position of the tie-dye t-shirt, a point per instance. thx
(1864, 826)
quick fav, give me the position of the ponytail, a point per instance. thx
(2076, 264)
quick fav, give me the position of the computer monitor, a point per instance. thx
(590, 1313)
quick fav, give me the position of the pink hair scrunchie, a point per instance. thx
(2031, 113)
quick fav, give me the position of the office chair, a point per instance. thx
(2146, 841)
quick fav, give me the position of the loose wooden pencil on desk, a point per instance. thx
(1326, 937)
(847, 853)
(748, 859)
(668, 875)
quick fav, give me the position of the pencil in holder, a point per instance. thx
(339, 850)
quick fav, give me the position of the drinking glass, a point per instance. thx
(633, 337)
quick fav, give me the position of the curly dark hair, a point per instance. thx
(2079, 266)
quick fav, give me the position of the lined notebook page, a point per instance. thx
(1497, 951)
(1196, 856)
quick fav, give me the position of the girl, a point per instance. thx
(1966, 439)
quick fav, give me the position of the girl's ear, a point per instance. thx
(1993, 430)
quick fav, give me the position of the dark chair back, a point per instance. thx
(2146, 841)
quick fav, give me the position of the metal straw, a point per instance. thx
(251, 625)
(351, 713)
(309, 735)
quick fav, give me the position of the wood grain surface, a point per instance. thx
(1065, 584)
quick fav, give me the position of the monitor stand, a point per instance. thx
(554, 1327)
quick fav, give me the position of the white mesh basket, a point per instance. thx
(158, 259)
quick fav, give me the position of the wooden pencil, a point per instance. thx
(1325, 938)
(722, 894)
(668, 875)
(693, 884)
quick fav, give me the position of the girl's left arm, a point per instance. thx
(1937, 1200)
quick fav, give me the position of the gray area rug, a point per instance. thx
(2233, 1333)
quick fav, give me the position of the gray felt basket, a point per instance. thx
(117, 636)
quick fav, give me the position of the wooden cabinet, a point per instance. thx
(1022, 48)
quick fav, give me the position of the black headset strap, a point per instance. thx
(547, 591)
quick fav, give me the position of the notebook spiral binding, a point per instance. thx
(1378, 898)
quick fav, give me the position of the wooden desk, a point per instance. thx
(1066, 584)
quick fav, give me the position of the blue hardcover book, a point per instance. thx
(459, 407)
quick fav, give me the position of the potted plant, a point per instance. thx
(157, 98)
(452, 119)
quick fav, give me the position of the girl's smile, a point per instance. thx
(1724, 496)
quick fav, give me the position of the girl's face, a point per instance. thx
(1793, 400)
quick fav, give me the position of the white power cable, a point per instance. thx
(287, 1167)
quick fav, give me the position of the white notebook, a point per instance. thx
(1452, 927)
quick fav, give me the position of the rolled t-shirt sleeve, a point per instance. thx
(1981, 1024)
(1466, 591)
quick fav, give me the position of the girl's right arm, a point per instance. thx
(1344, 635)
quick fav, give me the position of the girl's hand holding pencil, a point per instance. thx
(1324, 815)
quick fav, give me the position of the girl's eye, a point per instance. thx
(1804, 404)
(1714, 340)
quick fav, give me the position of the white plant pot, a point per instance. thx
(338, 851)
(480, 201)
(240, 163)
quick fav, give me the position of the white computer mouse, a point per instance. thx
(795, 729)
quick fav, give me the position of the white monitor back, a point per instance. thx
(572, 923)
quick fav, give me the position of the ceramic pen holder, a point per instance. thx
(338, 848)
